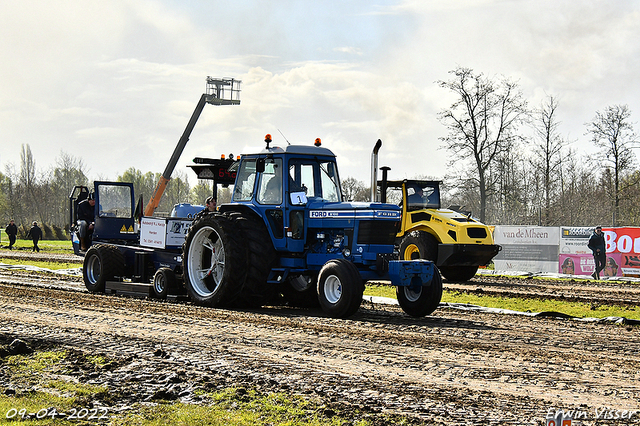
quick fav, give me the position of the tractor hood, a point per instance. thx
(364, 223)
(353, 210)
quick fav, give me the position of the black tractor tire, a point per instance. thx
(419, 245)
(340, 288)
(256, 291)
(301, 297)
(423, 302)
(102, 262)
(163, 280)
(214, 260)
(459, 273)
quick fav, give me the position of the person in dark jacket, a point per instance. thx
(12, 232)
(35, 233)
(598, 248)
(86, 218)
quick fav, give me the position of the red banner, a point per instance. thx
(623, 250)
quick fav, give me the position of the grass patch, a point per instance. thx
(49, 246)
(238, 407)
(576, 309)
(39, 264)
(48, 380)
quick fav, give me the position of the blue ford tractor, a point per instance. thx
(287, 231)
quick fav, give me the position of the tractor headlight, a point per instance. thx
(346, 252)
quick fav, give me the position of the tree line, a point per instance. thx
(510, 164)
(28, 194)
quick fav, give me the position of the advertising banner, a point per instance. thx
(527, 248)
(575, 257)
(623, 251)
(152, 232)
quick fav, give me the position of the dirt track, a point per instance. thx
(451, 368)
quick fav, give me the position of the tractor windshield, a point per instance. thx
(316, 178)
(422, 195)
(114, 201)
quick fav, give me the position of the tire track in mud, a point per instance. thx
(452, 367)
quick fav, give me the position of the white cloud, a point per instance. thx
(118, 81)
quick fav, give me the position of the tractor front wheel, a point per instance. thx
(423, 301)
(340, 288)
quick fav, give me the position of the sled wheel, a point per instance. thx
(163, 280)
(419, 245)
(459, 273)
(102, 263)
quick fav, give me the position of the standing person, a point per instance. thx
(12, 233)
(86, 218)
(35, 233)
(598, 247)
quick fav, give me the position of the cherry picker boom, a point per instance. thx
(215, 95)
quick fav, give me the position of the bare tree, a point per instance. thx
(68, 172)
(355, 190)
(613, 133)
(482, 122)
(547, 159)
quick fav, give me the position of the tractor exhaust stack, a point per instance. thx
(374, 169)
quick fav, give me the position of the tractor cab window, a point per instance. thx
(270, 186)
(301, 177)
(330, 182)
(422, 196)
(114, 201)
(317, 179)
(245, 179)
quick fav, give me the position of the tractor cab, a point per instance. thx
(113, 213)
(280, 184)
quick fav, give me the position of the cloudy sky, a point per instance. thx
(114, 82)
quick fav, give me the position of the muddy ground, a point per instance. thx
(454, 367)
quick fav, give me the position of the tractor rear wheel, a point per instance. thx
(340, 288)
(425, 300)
(256, 291)
(102, 262)
(459, 273)
(214, 260)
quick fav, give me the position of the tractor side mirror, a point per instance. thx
(260, 165)
(331, 170)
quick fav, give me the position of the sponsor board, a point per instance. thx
(527, 248)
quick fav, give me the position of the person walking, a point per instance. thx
(598, 248)
(35, 233)
(12, 233)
